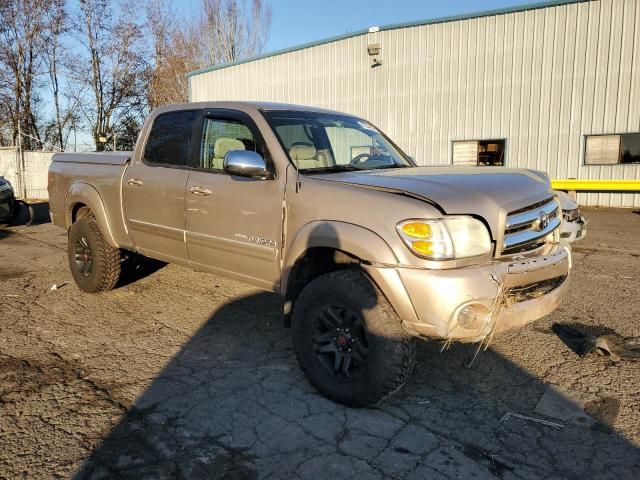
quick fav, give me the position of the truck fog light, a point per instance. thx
(467, 316)
(472, 317)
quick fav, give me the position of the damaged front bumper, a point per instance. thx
(573, 230)
(467, 304)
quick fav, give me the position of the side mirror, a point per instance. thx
(245, 163)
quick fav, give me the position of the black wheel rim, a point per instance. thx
(83, 256)
(340, 341)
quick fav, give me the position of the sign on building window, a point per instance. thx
(465, 153)
(479, 152)
(602, 150)
(612, 149)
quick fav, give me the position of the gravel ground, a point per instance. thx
(188, 375)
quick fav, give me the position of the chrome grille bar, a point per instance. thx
(526, 228)
(530, 236)
(531, 216)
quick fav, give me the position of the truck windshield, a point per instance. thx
(324, 142)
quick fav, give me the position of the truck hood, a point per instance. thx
(489, 192)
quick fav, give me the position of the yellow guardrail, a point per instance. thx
(597, 185)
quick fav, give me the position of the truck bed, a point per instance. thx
(100, 172)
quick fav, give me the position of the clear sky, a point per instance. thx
(301, 21)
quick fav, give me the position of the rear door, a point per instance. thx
(154, 188)
(234, 224)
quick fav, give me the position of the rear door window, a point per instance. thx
(169, 141)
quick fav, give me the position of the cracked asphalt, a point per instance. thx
(179, 374)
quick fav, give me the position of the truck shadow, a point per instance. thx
(234, 404)
(34, 213)
(27, 214)
(136, 267)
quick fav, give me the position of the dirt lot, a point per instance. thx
(182, 374)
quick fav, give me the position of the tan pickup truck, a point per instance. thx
(368, 250)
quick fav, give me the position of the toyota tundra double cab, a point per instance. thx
(368, 250)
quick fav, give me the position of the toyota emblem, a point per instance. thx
(543, 220)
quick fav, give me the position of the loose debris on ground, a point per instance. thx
(583, 341)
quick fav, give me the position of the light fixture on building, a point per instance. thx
(373, 49)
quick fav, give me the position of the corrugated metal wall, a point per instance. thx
(34, 176)
(541, 78)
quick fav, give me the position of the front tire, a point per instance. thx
(349, 341)
(94, 264)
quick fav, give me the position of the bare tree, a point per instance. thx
(114, 74)
(159, 25)
(23, 31)
(7, 120)
(228, 30)
(56, 131)
(116, 61)
(173, 55)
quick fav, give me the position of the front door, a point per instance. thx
(234, 224)
(154, 188)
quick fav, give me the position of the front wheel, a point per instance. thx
(94, 264)
(349, 342)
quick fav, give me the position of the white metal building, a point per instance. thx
(554, 86)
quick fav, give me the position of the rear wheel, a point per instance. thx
(9, 212)
(349, 341)
(94, 264)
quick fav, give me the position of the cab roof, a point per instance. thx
(248, 105)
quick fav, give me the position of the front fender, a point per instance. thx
(359, 242)
(83, 193)
(347, 237)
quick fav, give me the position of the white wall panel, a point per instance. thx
(34, 175)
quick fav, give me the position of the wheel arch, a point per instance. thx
(325, 246)
(84, 196)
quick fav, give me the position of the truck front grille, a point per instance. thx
(526, 228)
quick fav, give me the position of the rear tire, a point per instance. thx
(13, 214)
(94, 264)
(349, 341)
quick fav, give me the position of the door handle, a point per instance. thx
(201, 191)
(134, 182)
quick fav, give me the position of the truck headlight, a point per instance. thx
(446, 238)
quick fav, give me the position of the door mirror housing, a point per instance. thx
(245, 163)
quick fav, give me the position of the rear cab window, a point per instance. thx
(169, 141)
